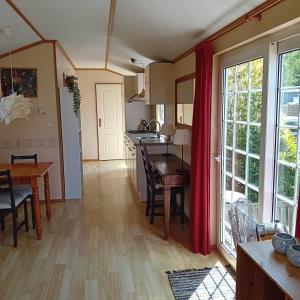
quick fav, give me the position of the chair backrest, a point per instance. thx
(6, 185)
(14, 158)
(147, 166)
(243, 222)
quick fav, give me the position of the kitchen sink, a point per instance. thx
(141, 131)
(148, 137)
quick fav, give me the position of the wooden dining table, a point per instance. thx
(31, 173)
(173, 174)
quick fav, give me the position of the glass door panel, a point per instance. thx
(242, 104)
(287, 163)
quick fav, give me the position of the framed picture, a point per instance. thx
(25, 82)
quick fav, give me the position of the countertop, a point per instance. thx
(147, 138)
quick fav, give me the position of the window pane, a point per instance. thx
(229, 107)
(255, 107)
(254, 139)
(241, 107)
(229, 161)
(241, 137)
(284, 213)
(253, 171)
(242, 77)
(252, 196)
(256, 73)
(286, 181)
(240, 165)
(228, 189)
(289, 108)
(290, 74)
(239, 190)
(288, 145)
(230, 79)
(229, 134)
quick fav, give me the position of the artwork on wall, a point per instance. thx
(24, 82)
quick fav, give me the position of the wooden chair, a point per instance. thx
(155, 189)
(25, 187)
(10, 201)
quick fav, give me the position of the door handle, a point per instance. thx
(100, 122)
(217, 158)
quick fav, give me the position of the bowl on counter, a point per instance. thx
(282, 241)
(293, 255)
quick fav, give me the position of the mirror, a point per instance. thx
(184, 98)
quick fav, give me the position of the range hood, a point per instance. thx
(139, 89)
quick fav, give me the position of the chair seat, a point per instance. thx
(23, 189)
(5, 202)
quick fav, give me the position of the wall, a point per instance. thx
(40, 133)
(63, 66)
(279, 17)
(87, 81)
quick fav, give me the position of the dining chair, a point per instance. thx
(10, 201)
(25, 188)
(155, 189)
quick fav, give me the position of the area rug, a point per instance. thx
(208, 283)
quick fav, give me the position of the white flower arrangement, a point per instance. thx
(14, 107)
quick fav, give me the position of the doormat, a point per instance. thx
(203, 284)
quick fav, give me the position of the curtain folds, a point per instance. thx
(201, 138)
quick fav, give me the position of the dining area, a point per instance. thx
(20, 182)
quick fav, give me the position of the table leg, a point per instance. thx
(37, 209)
(167, 204)
(47, 196)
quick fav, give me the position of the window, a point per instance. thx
(242, 105)
(287, 162)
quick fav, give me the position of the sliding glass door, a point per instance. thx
(287, 161)
(241, 126)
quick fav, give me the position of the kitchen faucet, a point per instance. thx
(159, 127)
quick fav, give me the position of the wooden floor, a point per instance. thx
(101, 247)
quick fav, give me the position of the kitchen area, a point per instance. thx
(149, 103)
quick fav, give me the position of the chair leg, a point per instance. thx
(15, 227)
(148, 202)
(182, 207)
(26, 216)
(32, 212)
(2, 222)
(173, 202)
(152, 208)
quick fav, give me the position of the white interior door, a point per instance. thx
(110, 121)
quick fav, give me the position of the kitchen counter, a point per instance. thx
(147, 138)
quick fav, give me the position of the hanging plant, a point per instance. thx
(72, 84)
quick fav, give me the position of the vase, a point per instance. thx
(293, 255)
(282, 241)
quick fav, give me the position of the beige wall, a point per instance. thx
(63, 66)
(87, 82)
(40, 133)
(282, 15)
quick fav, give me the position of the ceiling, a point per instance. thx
(148, 30)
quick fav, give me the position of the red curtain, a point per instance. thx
(200, 167)
(297, 230)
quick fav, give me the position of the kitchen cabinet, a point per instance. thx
(158, 83)
(130, 158)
